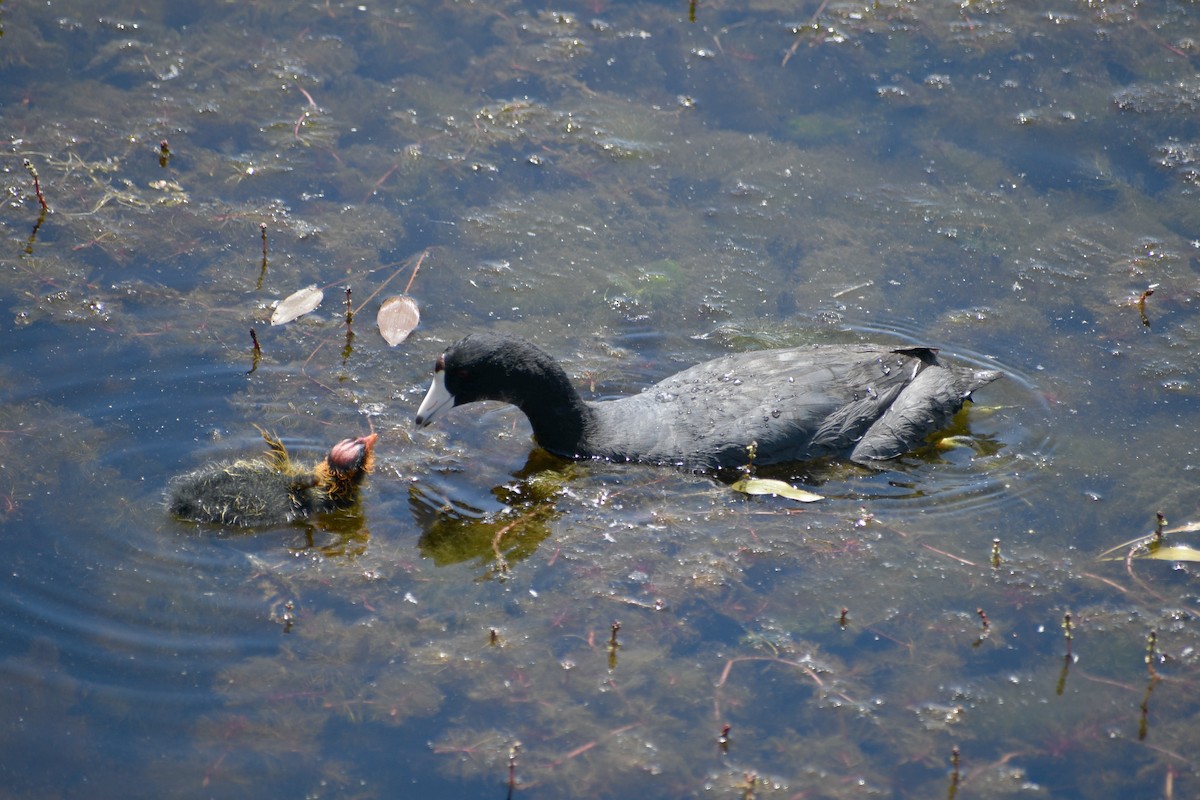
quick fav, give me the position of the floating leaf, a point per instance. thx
(1177, 552)
(297, 304)
(397, 317)
(1187, 527)
(774, 487)
(955, 442)
(1146, 547)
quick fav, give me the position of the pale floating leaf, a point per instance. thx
(397, 318)
(297, 304)
(774, 487)
(1187, 527)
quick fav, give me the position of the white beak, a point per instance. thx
(436, 399)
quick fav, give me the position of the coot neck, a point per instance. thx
(561, 420)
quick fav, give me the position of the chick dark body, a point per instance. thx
(271, 489)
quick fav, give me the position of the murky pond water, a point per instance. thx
(636, 192)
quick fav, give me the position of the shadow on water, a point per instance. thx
(504, 529)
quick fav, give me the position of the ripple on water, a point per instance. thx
(136, 605)
(987, 469)
(993, 455)
(992, 458)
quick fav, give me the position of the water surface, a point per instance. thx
(636, 192)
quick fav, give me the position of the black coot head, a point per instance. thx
(489, 367)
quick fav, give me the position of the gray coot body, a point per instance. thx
(868, 402)
(272, 490)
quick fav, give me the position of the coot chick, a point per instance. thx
(867, 402)
(271, 490)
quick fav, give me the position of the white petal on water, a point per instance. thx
(397, 318)
(297, 304)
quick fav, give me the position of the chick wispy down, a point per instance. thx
(271, 489)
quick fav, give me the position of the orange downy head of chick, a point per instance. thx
(344, 468)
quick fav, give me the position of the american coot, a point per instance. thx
(271, 490)
(865, 401)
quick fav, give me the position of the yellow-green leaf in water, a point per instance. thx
(1177, 552)
(953, 442)
(1145, 547)
(774, 487)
